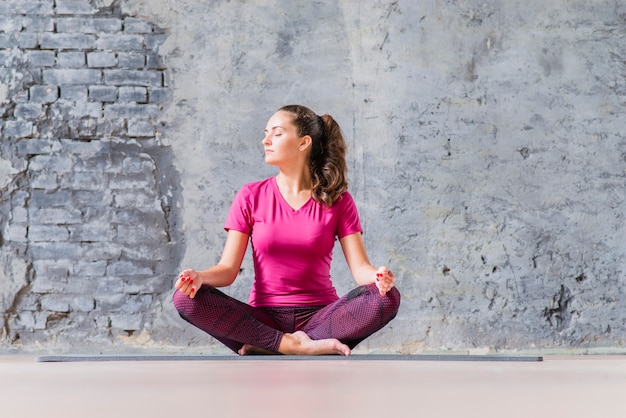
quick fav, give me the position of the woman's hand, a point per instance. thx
(189, 282)
(385, 280)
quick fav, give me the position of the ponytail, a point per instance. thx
(327, 158)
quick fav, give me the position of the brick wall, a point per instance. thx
(86, 227)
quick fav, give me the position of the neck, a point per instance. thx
(295, 182)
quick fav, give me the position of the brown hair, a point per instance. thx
(327, 157)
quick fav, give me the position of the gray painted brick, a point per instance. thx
(8, 40)
(92, 198)
(16, 232)
(138, 128)
(74, 7)
(58, 269)
(133, 77)
(44, 94)
(84, 181)
(18, 129)
(28, 40)
(56, 250)
(138, 164)
(29, 111)
(155, 40)
(131, 60)
(135, 304)
(90, 268)
(130, 111)
(10, 23)
(126, 322)
(101, 60)
(55, 303)
(55, 216)
(121, 181)
(36, 146)
(74, 93)
(65, 76)
(134, 25)
(50, 279)
(91, 150)
(48, 233)
(92, 231)
(133, 94)
(7, 57)
(33, 7)
(34, 23)
(82, 303)
(67, 41)
(40, 198)
(129, 269)
(100, 251)
(139, 235)
(141, 201)
(89, 109)
(111, 300)
(28, 320)
(155, 61)
(121, 42)
(55, 163)
(91, 25)
(159, 94)
(71, 59)
(41, 58)
(133, 216)
(103, 93)
(44, 181)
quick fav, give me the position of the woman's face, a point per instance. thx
(282, 143)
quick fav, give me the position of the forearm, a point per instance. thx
(218, 276)
(364, 274)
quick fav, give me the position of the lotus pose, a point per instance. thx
(292, 221)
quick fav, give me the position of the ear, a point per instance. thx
(305, 143)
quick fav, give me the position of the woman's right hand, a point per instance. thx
(189, 282)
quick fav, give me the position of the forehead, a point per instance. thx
(280, 119)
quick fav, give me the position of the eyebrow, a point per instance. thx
(274, 127)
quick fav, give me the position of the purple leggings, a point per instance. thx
(350, 319)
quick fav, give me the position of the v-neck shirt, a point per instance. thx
(291, 248)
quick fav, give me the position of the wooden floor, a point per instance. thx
(585, 386)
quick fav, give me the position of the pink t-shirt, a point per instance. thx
(292, 249)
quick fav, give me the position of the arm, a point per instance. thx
(362, 270)
(223, 273)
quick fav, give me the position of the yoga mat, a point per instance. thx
(354, 357)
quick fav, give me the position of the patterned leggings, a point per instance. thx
(350, 319)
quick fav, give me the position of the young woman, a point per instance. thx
(292, 221)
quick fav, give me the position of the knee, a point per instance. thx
(393, 300)
(181, 302)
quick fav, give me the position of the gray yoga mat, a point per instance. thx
(354, 357)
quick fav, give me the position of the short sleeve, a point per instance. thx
(349, 221)
(240, 214)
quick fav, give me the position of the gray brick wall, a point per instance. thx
(86, 236)
(485, 143)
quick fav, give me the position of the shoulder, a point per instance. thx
(256, 188)
(345, 199)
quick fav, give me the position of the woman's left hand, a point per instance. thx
(385, 280)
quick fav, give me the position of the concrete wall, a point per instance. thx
(486, 154)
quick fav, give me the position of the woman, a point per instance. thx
(292, 221)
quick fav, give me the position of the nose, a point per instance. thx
(266, 140)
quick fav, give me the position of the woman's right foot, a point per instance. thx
(299, 343)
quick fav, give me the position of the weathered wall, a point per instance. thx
(486, 154)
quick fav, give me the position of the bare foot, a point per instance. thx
(248, 349)
(299, 343)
